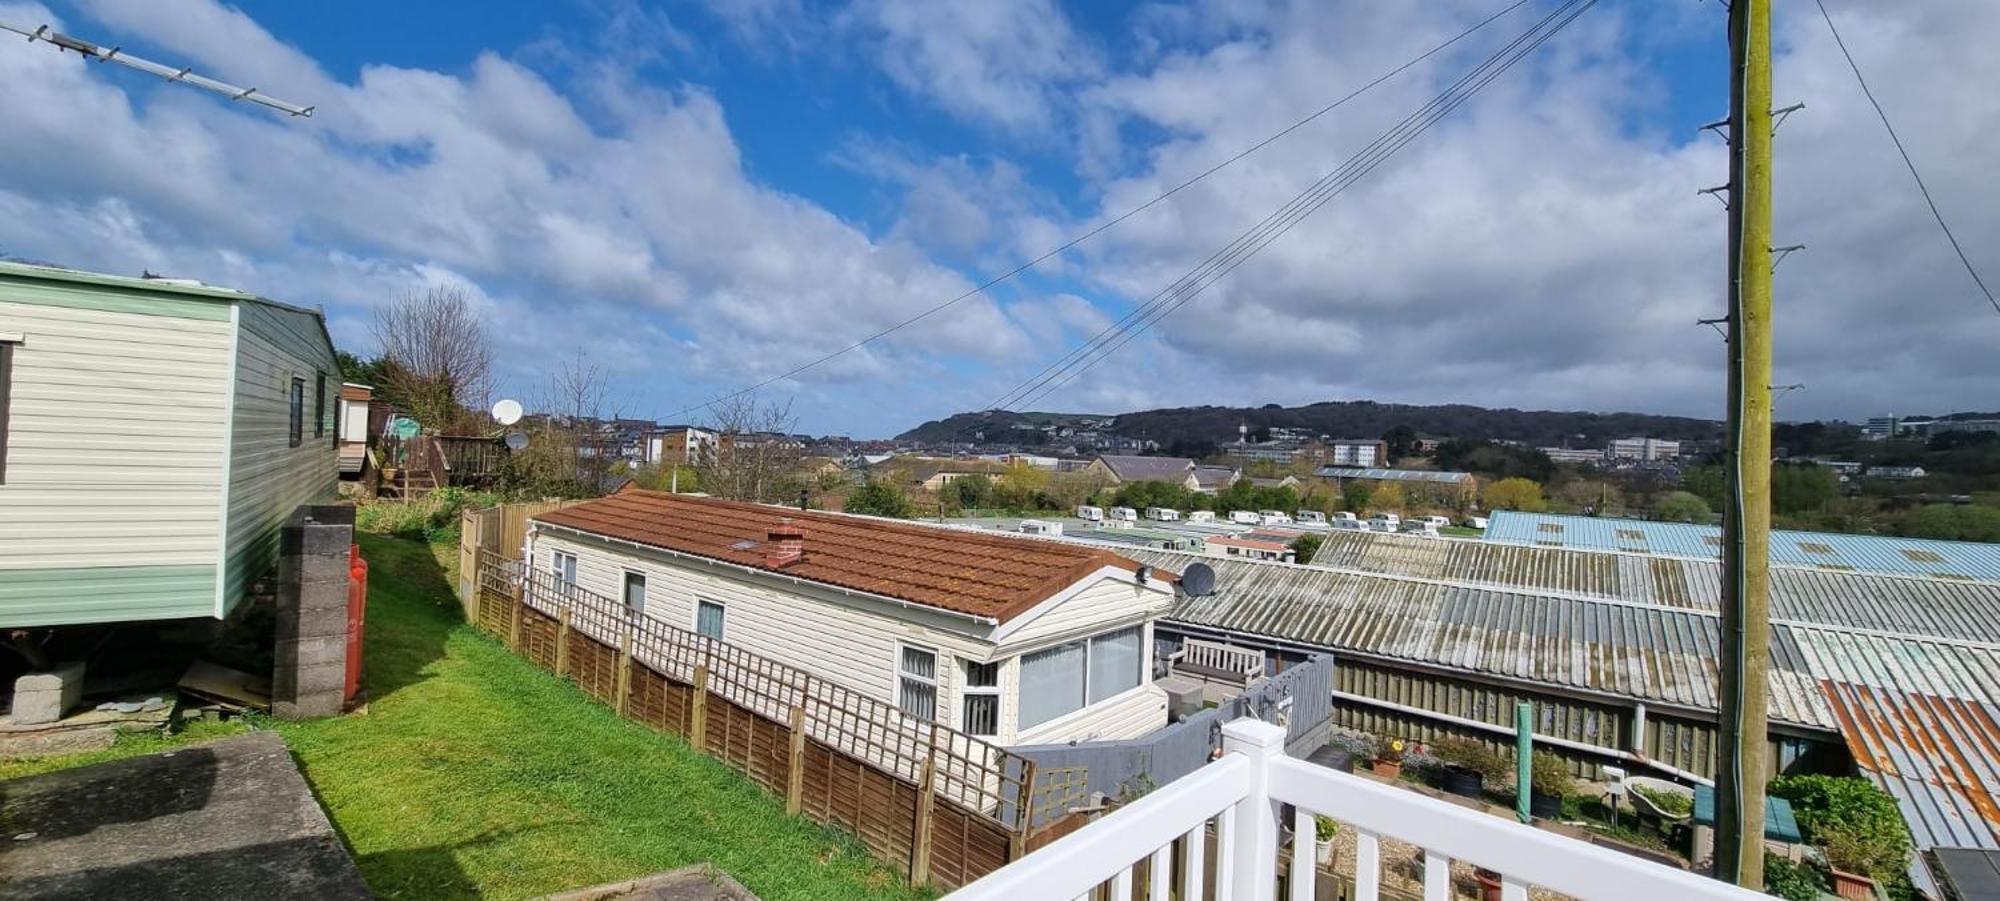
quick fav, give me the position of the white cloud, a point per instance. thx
(1002, 65)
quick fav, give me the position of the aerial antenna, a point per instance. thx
(115, 55)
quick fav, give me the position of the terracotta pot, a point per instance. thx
(1853, 885)
(1489, 884)
(1388, 768)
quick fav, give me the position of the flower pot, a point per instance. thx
(1545, 807)
(1489, 884)
(1323, 851)
(1852, 885)
(1388, 769)
(1462, 782)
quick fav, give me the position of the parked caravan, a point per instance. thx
(1244, 517)
(1089, 513)
(1201, 516)
(1311, 518)
(1163, 514)
(1273, 518)
(1124, 514)
(1041, 527)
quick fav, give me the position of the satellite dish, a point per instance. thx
(507, 412)
(517, 440)
(1198, 580)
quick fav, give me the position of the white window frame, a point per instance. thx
(1088, 642)
(625, 589)
(556, 560)
(935, 681)
(969, 690)
(719, 605)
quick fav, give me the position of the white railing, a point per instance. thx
(1240, 795)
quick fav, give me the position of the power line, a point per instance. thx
(1104, 226)
(1225, 260)
(1907, 162)
(184, 74)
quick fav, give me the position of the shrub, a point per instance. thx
(1855, 823)
(1471, 754)
(1325, 828)
(433, 517)
(1671, 803)
(1549, 775)
(1794, 881)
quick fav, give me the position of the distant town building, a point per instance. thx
(1941, 426)
(1570, 455)
(1119, 468)
(1212, 479)
(1895, 472)
(683, 444)
(1646, 449)
(1880, 428)
(1420, 486)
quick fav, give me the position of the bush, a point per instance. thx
(433, 517)
(1855, 823)
(1325, 828)
(1549, 775)
(1473, 755)
(1794, 881)
(1670, 803)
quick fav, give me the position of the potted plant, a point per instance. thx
(1388, 757)
(1325, 830)
(1467, 764)
(1549, 781)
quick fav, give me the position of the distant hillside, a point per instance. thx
(1193, 426)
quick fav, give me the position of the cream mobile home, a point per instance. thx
(154, 436)
(1020, 640)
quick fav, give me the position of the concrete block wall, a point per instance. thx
(309, 678)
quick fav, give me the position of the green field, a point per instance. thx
(471, 772)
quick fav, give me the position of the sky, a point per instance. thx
(700, 197)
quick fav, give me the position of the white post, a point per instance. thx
(1254, 819)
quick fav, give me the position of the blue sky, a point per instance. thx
(701, 197)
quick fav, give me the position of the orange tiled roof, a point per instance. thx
(966, 572)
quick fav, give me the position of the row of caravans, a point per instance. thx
(1311, 519)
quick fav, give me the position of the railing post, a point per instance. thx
(624, 681)
(920, 840)
(795, 774)
(698, 710)
(520, 603)
(562, 642)
(1024, 812)
(1254, 820)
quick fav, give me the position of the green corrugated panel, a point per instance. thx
(105, 594)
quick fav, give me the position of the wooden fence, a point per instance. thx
(500, 531)
(945, 806)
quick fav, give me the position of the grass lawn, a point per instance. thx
(474, 773)
(1461, 532)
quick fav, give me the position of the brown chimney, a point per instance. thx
(787, 545)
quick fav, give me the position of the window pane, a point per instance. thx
(918, 698)
(566, 568)
(635, 591)
(319, 405)
(919, 662)
(708, 619)
(298, 411)
(1051, 683)
(982, 675)
(982, 715)
(1114, 664)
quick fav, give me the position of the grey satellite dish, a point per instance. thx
(507, 412)
(517, 441)
(1198, 580)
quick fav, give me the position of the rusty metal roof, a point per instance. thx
(1898, 604)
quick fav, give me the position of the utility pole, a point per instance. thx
(1746, 522)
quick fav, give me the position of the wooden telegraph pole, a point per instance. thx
(1746, 523)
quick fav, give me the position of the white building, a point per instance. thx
(1644, 449)
(1022, 640)
(1362, 453)
(1572, 455)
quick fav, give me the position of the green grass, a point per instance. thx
(474, 773)
(1461, 532)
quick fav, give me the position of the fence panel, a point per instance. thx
(862, 763)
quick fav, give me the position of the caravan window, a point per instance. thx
(564, 567)
(980, 704)
(635, 592)
(298, 411)
(1071, 676)
(708, 617)
(917, 682)
(319, 405)
(7, 343)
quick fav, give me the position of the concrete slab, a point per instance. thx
(231, 819)
(697, 883)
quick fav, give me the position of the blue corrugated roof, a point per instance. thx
(1392, 475)
(1821, 550)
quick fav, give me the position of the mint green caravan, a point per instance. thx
(154, 436)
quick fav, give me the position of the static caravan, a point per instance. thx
(1019, 640)
(1124, 514)
(1041, 527)
(1163, 514)
(154, 436)
(1089, 513)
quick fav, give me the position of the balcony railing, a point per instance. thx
(1146, 842)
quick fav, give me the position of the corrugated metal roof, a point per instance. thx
(1649, 653)
(1392, 475)
(1823, 550)
(1901, 604)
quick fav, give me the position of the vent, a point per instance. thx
(1631, 535)
(744, 545)
(1919, 555)
(1814, 547)
(1836, 567)
(1546, 543)
(1554, 527)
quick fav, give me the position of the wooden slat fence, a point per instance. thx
(500, 530)
(945, 806)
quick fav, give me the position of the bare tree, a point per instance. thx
(756, 457)
(567, 451)
(441, 363)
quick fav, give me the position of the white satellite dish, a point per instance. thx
(507, 412)
(517, 441)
